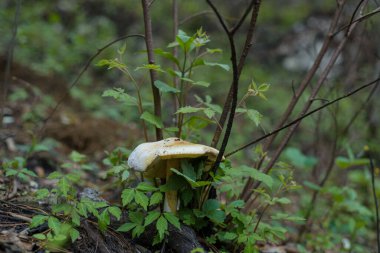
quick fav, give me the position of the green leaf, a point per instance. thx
(212, 64)
(38, 220)
(255, 116)
(214, 50)
(165, 88)
(55, 175)
(74, 234)
(40, 236)
(152, 119)
(282, 200)
(77, 157)
(258, 175)
(121, 96)
(54, 224)
(156, 198)
(82, 210)
(126, 227)
(146, 187)
(64, 186)
(103, 220)
(162, 226)
(142, 199)
(201, 83)
(75, 218)
(154, 67)
(137, 231)
(28, 172)
(191, 181)
(152, 216)
(111, 64)
(173, 220)
(171, 129)
(344, 163)
(209, 112)
(189, 109)
(210, 205)
(167, 55)
(125, 175)
(11, 172)
(136, 217)
(127, 196)
(42, 193)
(115, 211)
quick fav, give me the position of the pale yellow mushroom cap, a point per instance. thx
(151, 157)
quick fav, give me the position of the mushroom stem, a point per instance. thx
(171, 200)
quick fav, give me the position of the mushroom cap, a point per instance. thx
(151, 157)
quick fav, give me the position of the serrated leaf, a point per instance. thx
(82, 210)
(165, 88)
(156, 198)
(40, 236)
(154, 67)
(127, 196)
(75, 218)
(152, 119)
(137, 231)
(55, 175)
(28, 172)
(189, 109)
(258, 175)
(64, 186)
(162, 226)
(120, 95)
(54, 224)
(42, 193)
(142, 199)
(38, 220)
(74, 234)
(209, 112)
(173, 220)
(152, 216)
(115, 211)
(126, 227)
(255, 116)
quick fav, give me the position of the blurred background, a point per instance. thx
(56, 38)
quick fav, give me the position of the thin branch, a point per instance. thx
(201, 13)
(304, 84)
(89, 61)
(243, 56)
(358, 20)
(234, 29)
(153, 73)
(375, 82)
(7, 75)
(372, 171)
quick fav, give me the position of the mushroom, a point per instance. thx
(155, 159)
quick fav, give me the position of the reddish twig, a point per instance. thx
(153, 74)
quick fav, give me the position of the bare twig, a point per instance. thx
(201, 13)
(175, 53)
(83, 70)
(153, 73)
(7, 75)
(375, 82)
(247, 46)
(304, 84)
